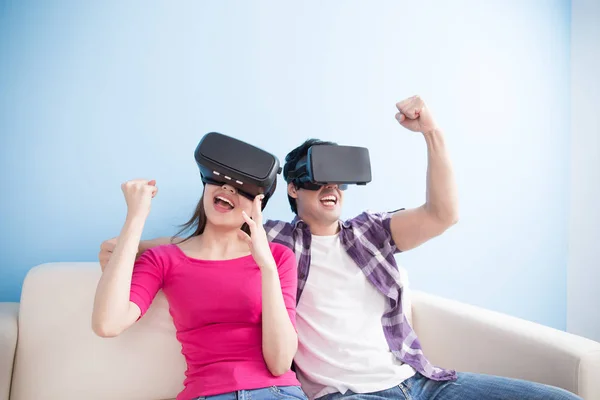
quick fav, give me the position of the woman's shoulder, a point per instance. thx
(280, 251)
(280, 248)
(164, 253)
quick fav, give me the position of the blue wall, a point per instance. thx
(96, 93)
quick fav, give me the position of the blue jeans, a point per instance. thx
(467, 387)
(270, 393)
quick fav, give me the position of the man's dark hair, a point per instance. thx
(291, 160)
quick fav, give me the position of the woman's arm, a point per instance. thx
(279, 338)
(279, 281)
(113, 311)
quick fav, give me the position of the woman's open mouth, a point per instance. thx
(223, 204)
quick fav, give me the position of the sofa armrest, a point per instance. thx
(471, 339)
(8, 343)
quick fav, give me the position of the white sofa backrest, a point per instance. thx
(60, 357)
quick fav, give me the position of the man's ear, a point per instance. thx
(292, 191)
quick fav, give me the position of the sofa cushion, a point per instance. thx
(8, 341)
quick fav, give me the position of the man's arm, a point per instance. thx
(277, 232)
(413, 227)
(108, 246)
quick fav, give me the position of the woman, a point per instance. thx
(232, 295)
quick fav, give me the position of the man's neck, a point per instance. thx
(322, 229)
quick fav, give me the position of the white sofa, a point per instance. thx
(57, 356)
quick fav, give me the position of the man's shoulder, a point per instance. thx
(370, 217)
(275, 224)
(279, 230)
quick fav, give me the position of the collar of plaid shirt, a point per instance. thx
(367, 240)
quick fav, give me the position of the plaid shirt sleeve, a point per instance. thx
(376, 228)
(280, 232)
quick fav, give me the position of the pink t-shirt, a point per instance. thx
(216, 308)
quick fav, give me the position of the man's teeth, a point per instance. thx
(329, 199)
(225, 200)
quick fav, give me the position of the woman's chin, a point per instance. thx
(224, 222)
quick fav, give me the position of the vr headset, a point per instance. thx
(332, 164)
(226, 160)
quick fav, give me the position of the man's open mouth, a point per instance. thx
(329, 200)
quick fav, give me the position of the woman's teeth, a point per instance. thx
(224, 201)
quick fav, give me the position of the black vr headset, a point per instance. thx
(332, 164)
(225, 160)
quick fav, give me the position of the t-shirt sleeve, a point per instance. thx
(288, 278)
(147, 279)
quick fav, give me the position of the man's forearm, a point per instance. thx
(148, 244)
(442, 196)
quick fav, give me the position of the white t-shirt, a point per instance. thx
(341, 341)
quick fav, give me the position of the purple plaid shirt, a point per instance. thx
(368, 241)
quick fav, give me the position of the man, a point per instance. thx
(354, 336)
